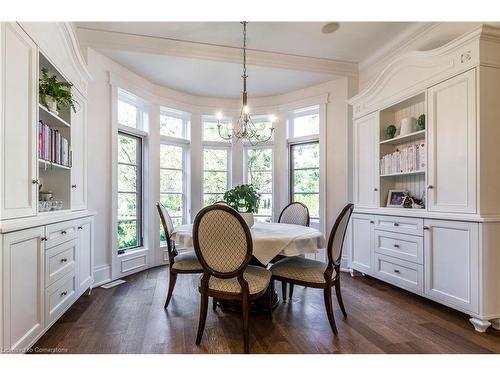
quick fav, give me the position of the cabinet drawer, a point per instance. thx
(59, 260)
(402, 246)
(400, 272)
(59, 296)
(399, 224)
(59, 233)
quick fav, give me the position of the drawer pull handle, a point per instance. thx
(372, 222)
(396, 246)
(35, 182)
(43, 238)
(64, 293)
(63, 232)
(396, 224)
(80, 227)
(397, 271)
(430, 187)
(64, 260)
(73, 186)
(426, 228)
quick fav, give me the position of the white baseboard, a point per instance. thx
(102, 275)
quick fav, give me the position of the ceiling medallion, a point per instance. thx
(245, 128)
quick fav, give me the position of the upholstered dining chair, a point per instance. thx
(185, 262)
(315, 274)
(223, 244)
(295, 213)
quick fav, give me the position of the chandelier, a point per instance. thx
(245, 128)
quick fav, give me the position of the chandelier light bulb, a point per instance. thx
(273, 118)
(219, 115)
(246, 110)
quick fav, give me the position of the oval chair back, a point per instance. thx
(295, 213)
(337, 236)
(222, 241)
(168, 228)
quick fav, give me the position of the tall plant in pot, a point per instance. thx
(244, 199)
(55, 94)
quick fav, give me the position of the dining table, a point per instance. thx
(271, 241)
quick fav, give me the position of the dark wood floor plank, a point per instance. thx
(381, 319)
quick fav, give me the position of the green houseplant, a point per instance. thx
(245, 199)
(55, 94)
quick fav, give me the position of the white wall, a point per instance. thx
(337, 124)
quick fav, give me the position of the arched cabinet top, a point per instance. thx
(415, 71)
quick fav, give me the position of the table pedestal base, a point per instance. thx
(256, 306)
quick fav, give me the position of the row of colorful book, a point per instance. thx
(409, 159)
(53, 147)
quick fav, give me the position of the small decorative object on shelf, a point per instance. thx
(407, 125)
(391, 131)
(395, 198)
(421, 122)
(54, 93)
(244, 199)
(411, 202)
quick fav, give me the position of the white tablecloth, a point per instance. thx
(269, 240)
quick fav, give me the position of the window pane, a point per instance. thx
(173, 204)
(127, 114)
(263, 127)
(210, 131)
(215, 159)
(306, 125)
(215, 182)
(262, 181)
(260, 159)
(171, 126)
(306, 181)
(311, 201)
(170, 181)
(127, 235)
(306, 156)
(265, 205)
(209, 199)
(127, 149)
(127, 178)
(127, 206)
(171, 156)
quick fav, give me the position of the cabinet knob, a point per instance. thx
(372, 222)
(397, 271)
(64, 260)
(430, 186)
(396, 246)
(35, 182)
(73, 186)
(375, 189)
(396, 224)
(426, 228)
(80, 227)
(63, 232)
(64, 293)
(43, 238)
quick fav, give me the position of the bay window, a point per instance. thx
(259, 173)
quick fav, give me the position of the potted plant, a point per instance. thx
(244, 199)
(55, 94)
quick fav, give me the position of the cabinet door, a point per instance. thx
(366, 164)
(79, 154)
(451, 263)
(362, 243)
(84, 254)
(452, 144)
(18, 137)
(23, 284)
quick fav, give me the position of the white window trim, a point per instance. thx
(215, 146)
(186, 123)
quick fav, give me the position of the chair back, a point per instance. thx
(223, 203)
(295, 213)
(222, 241)
(337, 235)
(168, 226)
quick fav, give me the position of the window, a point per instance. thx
(172, 181)
(259, 166)
(210, 131)
(129, 191)
(304, 122)
(130, 114)
(174, 123)
(215, 174)
(304, 176)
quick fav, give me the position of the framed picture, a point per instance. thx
(395, 198)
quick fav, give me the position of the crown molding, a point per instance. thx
(99, 39)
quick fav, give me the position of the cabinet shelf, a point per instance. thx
(404, 138)
(48, 164)
(51, 119)
(402, 174)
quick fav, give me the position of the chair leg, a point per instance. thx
(291, 291)
(245, 308)
(171, 285)
(283, 291)
(339, 298)
(203, 317)
(270, 294)
(329, 309)
(214, 303)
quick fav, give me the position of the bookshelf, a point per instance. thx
(402, 159)
(54, 147)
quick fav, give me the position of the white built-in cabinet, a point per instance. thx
(45, 258)
(452, 144)
(365, 136)
(448, 251)
(18, 110)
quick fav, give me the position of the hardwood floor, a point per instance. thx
(381, 319)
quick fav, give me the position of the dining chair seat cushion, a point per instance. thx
(301, 269)
(187, 261)
(258, 279)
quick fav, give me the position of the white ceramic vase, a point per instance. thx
(52, 104)
(248, 217)
(407, 125)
